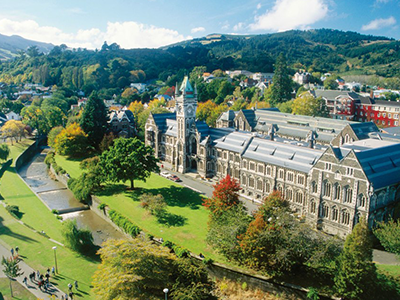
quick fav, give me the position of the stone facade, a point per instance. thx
(331, 187)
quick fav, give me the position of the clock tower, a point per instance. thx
(186, 106)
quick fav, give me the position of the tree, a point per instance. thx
(209, 112)
(72, 141)
(4, 152)
(79, 240)
(138, 269)
(307, 105)
(281, 88)
(128, 159)
(13, 129)
(356, 272)
(35, 118)
(388, 235)
(225, 196)
(51, 137)
(94, 119)
(154, 203)
(11, 269)
(136, 108)
(330, 83)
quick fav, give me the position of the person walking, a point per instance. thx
(71, 295)
(70, 287)
(16, 249)
(53, 270)
(25, 280)
(38, 274)
(12, 252)
(76, 284)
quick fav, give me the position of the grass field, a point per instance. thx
(36, 248)
(185, 222)
(19, 292)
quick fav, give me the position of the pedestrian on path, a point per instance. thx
(76, 284)
(38, 274)
(53, 270)
(66, 296)
(12, 252)
(69, 287)
(71, 295)
(25, 280)
(16, 249)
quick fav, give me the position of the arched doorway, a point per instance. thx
(193, 165)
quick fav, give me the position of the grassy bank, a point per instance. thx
(37, 249)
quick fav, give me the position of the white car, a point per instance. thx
(165, 174)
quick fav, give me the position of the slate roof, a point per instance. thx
(228, 115)
(362, 130)
(281, 154)
(380, 160)
(333, 94)
(161, 120)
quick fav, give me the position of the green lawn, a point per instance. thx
(390, 269)
(185, 222)
(36, 248)
(19, 292)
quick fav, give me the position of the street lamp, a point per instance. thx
(166, 292)
(55, 257)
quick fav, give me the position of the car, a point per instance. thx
(174, 178)
(165, 174)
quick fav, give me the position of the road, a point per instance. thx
(200, 185)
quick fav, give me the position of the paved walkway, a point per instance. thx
(31, 286)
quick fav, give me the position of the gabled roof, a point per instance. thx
(228, 115)
(161, 119)
(363, 130)
(379, 159)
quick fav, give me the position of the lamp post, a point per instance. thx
(55, 257)
(166, 292)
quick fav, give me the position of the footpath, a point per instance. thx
(32, 286)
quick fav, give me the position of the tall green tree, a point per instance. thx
(128, 159)
(388, 234)
(79, 240)
(4, 151)
(307, 105)
(356, 273)
(281, 88)
(94, 119)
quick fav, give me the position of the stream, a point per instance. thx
(57, 196)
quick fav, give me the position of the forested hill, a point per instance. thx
(321, 50)
(11, 45)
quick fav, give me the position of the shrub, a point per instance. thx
(124, 223)
(102, 206)
(79, 188)
(59, 217)
(154, 203)
(181, 252)
(150, 236)
(208, 261)
(168, 244)
(55, 211)
(79, 240)
(14, 211)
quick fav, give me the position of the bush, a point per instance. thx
(14, 211)
(168, 244)
(181, 252)
(55, 211)
(150, 236)
(124, 223)
(79, 188)
(59, 217)
(49, 160)
(154, 203)
(102, 206)
(208, 261)
(79, 240)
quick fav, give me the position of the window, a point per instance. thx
(396, 116)
(324, 211)
(384, 115)
(383, 123)
(313, 207)
(372, 115)
(396, 123)
(237, 158)
(327, 189)
(244, 180)
(260, 169)
(345, 218)
(300, 179)
(348, 195)
(281, 174)
(225, 155)
(337, 192)
(280, 190)
(259, 185)
(230, 157)
(349, 171)
(314, 187)
(290, 176)
(361, 200)
(252, 166)
(269, 171)
(335, 214)
(289, 195)
(390, 116)
(244, 164)
(267, 187)
(328, 166)
(299, 197)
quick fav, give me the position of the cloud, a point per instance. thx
(76, 11)
(291, 14)
(379, 23)
(258, 6)
(198, 29)
(238, 26)
(383, 1)
(126, 34)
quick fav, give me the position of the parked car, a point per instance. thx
(174, 178)
(165, 174)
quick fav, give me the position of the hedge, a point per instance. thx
(124, 223)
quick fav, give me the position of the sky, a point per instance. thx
(155, 23)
